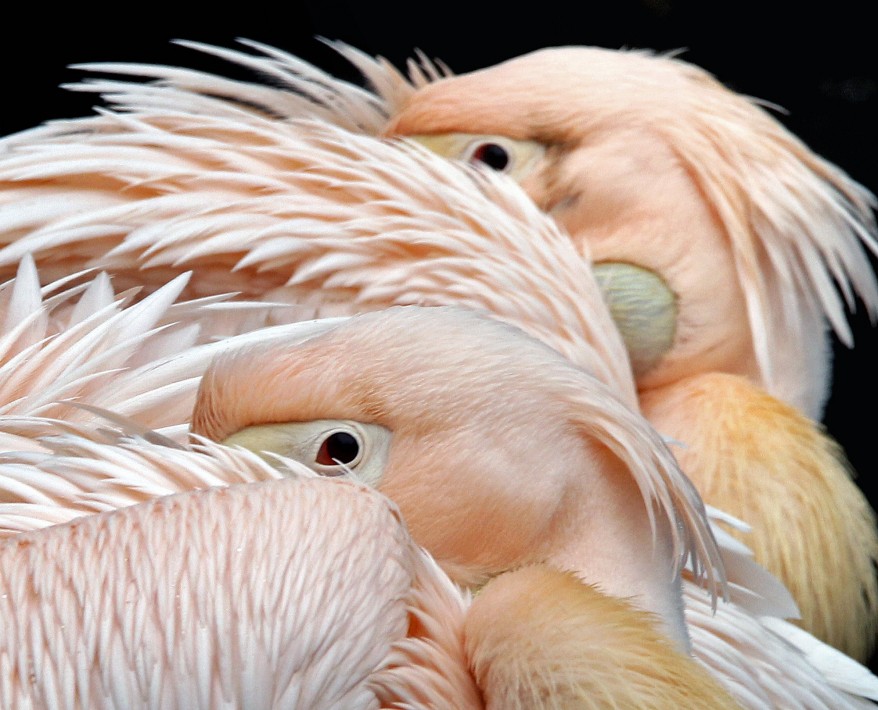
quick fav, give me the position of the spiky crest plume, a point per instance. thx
(300, 212)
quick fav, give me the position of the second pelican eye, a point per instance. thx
(493, 155)
(517, 158)
(340, 447)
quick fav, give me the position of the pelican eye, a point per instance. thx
(493, 155)
(513, 157)
(330, 447)
(340, 447)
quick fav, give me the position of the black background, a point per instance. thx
(819, 63)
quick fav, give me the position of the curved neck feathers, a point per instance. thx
(606, 539)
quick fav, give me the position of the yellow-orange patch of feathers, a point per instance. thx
(540, 638)
(745, 451)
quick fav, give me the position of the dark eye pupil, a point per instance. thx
(339, 447)
(492, 155)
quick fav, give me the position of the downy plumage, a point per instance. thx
(83, 477)
(203, 173)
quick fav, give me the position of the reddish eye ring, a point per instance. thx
(492, 155)
(340, 447)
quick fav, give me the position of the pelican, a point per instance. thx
(748, 231)
(63, 476)
(80, 476)
(727, 248)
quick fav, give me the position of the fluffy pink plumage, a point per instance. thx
(469, 268)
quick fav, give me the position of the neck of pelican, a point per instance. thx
(608, 542)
